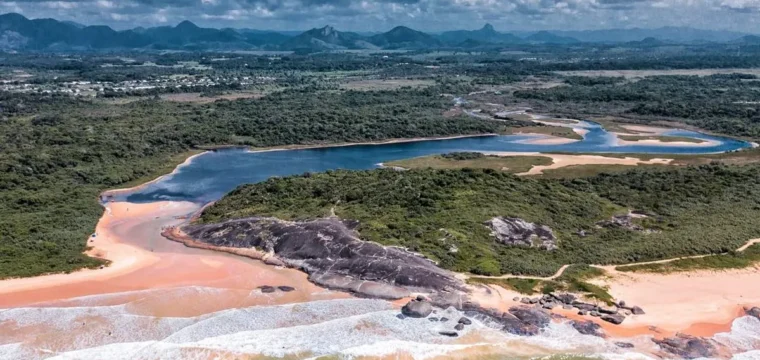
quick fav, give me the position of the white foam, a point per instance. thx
(416, 350)
(749, 355)
(743, 336)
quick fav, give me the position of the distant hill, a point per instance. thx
(550, 38)
(485, 35)
(326, 38)
(402, 37)
(668, 33)
(19, 33)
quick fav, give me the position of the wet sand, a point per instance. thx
(129, 236)
(562, 160)
(541, 139)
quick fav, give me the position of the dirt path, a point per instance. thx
(508, 276)
(610, 269)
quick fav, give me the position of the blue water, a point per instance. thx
(208, 177)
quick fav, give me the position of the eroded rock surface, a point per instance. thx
(330, 251)
(588, 327)
(688, 347)
(417, 308)
(518, 232)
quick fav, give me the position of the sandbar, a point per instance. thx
(563, 160)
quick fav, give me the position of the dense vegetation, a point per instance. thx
(57, 153)
(728, 104)
(59, 150)
(693, 210)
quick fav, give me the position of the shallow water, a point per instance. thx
(208, 177)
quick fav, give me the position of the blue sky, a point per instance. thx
(381, 15)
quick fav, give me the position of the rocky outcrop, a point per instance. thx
(588, 327)
(754, 312)
(330, 251)
(417, 308)
(518, 232)
(616, 319)
(688, 347)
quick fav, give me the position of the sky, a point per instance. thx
(381, 15)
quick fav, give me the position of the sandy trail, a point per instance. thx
(562, 160)
(559, 273)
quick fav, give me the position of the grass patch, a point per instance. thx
(558, 131)
(729, 261)
(511, 164)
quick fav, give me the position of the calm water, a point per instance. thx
(210, 176)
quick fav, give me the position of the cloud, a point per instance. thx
(380, 15)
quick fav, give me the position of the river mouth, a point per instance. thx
(177, 302)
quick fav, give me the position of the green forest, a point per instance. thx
(691, 210)
(58, 153)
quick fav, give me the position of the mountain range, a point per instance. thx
(19, 33)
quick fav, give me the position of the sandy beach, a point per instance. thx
(563, 160)
(128, 235)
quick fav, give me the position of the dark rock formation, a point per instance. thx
(267, 289)
(518, 232)
(417, 309)
(444, 319)
(616, 319)
(532, 316)
(637, 311)
(286, 288)
(449, 333)
(433, 319)
(459, 327)
(688, 347)
(755, 312)
(465, 321)
(624, 345)
(332, 254)
(588, 327)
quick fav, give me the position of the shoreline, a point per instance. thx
(370, 143)
(188, 160)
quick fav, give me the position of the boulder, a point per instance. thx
(583, 306)
(624, 345)
(449, 333)
(267, 289)
(516, 298)
(444, 319)
(518, 232)
(549, 305)
(595, 314)
(433, 319)
(465, 321)
(637, 311)
(688, 347)
(621, 303)
(525, 300)
(459, 327)
(417, 309)
(513, 325)
(754, 312)
(588, 327)
(286, 288)
(616, 319)
(532, 316)
(582, 313)
(607, 310)
(564, 298)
